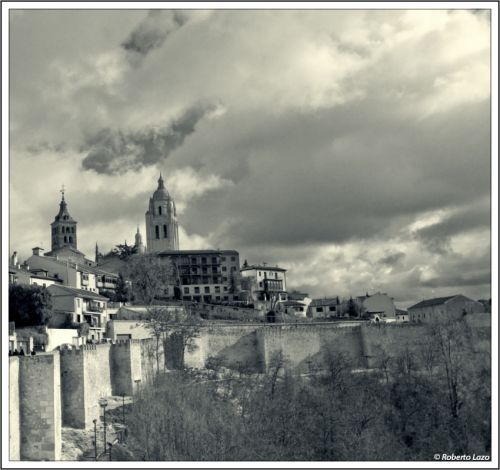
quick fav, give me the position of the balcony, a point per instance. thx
(93, 308)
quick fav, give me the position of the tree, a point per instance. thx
(352, 308)
(122, 290)
(29, 305)
(149, 277)
(124, 251)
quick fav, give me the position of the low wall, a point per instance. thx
(40, 406)
(14, 417)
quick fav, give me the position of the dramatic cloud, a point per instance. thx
(115, 151)
(152, 32)
(350, 146)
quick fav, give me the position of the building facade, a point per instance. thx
(263, 283)
(71, 305)
(443, 308)
(205, 275)
(162, 232)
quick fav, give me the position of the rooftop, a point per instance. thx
(263, 267)
(85, 294)
(432, 302)
(197, 252)
(323, 302)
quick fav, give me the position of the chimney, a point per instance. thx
(13, 261)
(37, 251)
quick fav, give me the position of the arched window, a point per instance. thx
(164, 231)
(72, 229)
(157, 230)
(159, 210)
(65, 239)
(71, 239)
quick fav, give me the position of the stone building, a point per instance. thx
(205, 275)
(443, 308)
(162, 231)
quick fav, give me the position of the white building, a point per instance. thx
(71, 305)
(263, 283)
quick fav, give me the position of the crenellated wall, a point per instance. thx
(40, 407)
(65, 386)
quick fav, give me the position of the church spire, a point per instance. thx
(160, 182)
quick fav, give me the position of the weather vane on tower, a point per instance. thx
(62, 191)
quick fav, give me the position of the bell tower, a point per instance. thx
(63, 227)
(162, 231)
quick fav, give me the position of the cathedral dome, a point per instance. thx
(161, 193)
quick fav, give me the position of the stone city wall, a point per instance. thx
(14, 423)
(40, 406)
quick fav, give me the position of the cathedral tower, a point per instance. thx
(63, 228)
(161, 221)
(138, 242)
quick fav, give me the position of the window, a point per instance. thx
(217, 289)
(72, 229)
(260, 274)
(203, 260)
(71, 239)
(224, 279)
(159, 210)
(332, 308)
(275, 275)
(233, 258)
(260, 284)
(207, 290)
(186, 290)
(196, 290)
(225, 297)
(164, 231)
(225, 288)
(224, 268)
(217, 297)
(204, 270)
(193, 260)
(233, 268)
(65, 239)
(157, 231)
(214, 260)
(319, 309)
(223, 258)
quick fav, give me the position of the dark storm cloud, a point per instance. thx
(116, 151)
(437, 237)
(152, 32)
(335, 175)
(392, 259)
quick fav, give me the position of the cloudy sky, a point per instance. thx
(351, 147)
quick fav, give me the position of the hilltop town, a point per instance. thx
(89, 330)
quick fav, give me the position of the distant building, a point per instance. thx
(402, 315)
(297, 304)
(325, 308)
(73, 274)
(162, 231)
(205, 275)
(21, 274)
(263, 283)
(380, 305)
(71, 305)
(443, 308)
